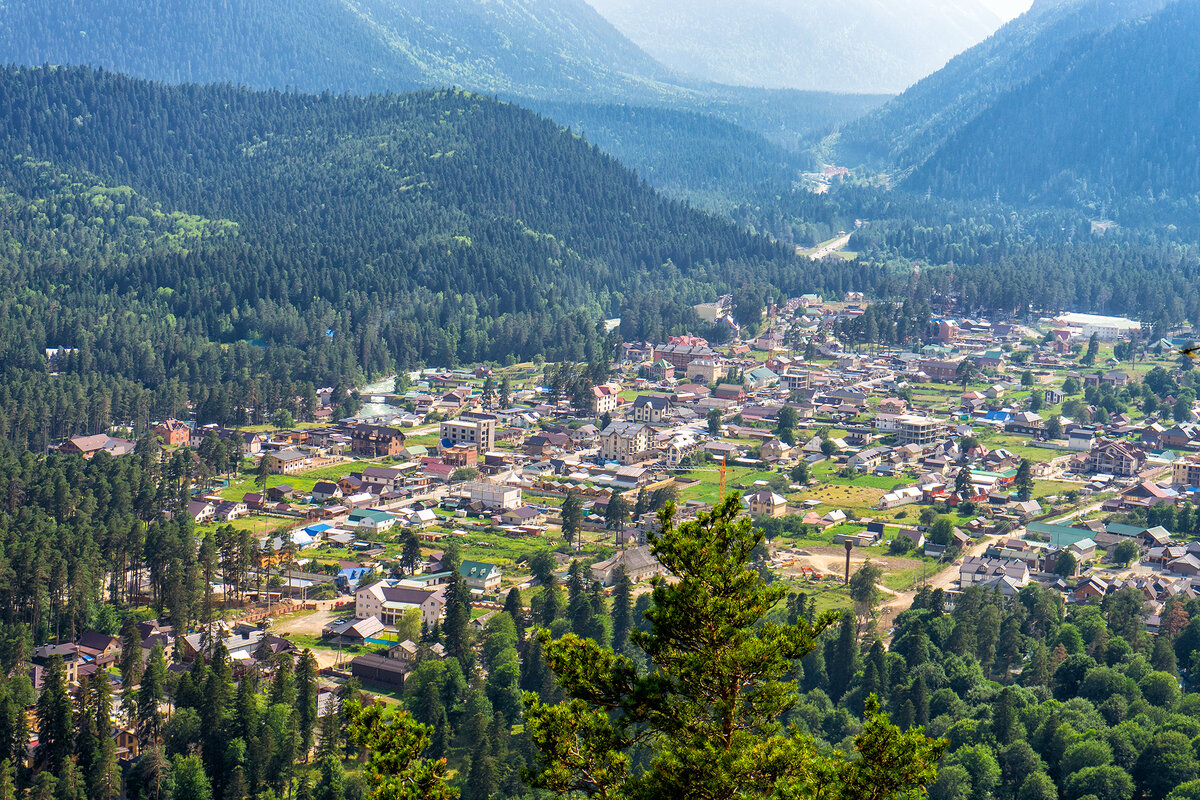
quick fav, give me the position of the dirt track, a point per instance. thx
(829, 560)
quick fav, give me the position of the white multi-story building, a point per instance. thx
(495, 496)
(1107, 329)
(605, 399)
(388, 601)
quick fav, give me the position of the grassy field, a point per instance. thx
(885, 482)
(1015, 444)
(425, 440)
(303, 482)
(827, 597)
(708, 490)
(629, 395)
(257, 525)
(1046, 488)
(858, 499)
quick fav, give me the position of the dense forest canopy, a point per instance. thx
(192, 244)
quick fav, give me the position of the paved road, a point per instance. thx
(830, 247)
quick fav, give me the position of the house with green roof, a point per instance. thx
(371, 519)
(1059, 535)
(760, 378)
(481, 576)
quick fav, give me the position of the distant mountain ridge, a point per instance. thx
(435, 226)
(832, 45)
(548, 50)
(513, 46)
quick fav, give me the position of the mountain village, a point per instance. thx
(988, 456)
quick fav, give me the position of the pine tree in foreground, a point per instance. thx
(709, 714)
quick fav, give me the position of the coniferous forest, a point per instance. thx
(1021, 699)
(188, 245)
(219, 253)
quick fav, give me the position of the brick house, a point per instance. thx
(375, 441)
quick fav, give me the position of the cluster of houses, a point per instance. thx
(250, 647)
(1163, 568)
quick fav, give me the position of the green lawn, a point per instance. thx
(885, 482)
(901, 580)
(629, 395)
(827, 598)
(708, 490)
(425, 440)
(1016, 445)
(303, 482)
(257, 525)
(1046, 488)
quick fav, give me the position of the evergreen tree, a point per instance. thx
(481, 778)
(283, 687)
(70, 784)
(616, 513)
(642, 505)
(131, 654)
(920, 701)
(1023, 483)
(456, 632)
(13, 731)
(151, 777)
(102, 775)
(55, 724)
(572, 515)
(515, 608)
(306, 700)
(8, 781)
(711, 657)
(410, 556)
(963, 486)
(549, 602)
(45, 787)
(844, 661)
(150, 698)
(622, 609)
(330, 740)
(332, 782)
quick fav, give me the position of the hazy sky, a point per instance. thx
(1007, 9)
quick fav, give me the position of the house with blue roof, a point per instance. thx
(350, 577)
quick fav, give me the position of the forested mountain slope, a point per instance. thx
(543, 50)
(910, 128)
(345, 234)
(711, 163)
(521, 46)
(1112, 123)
